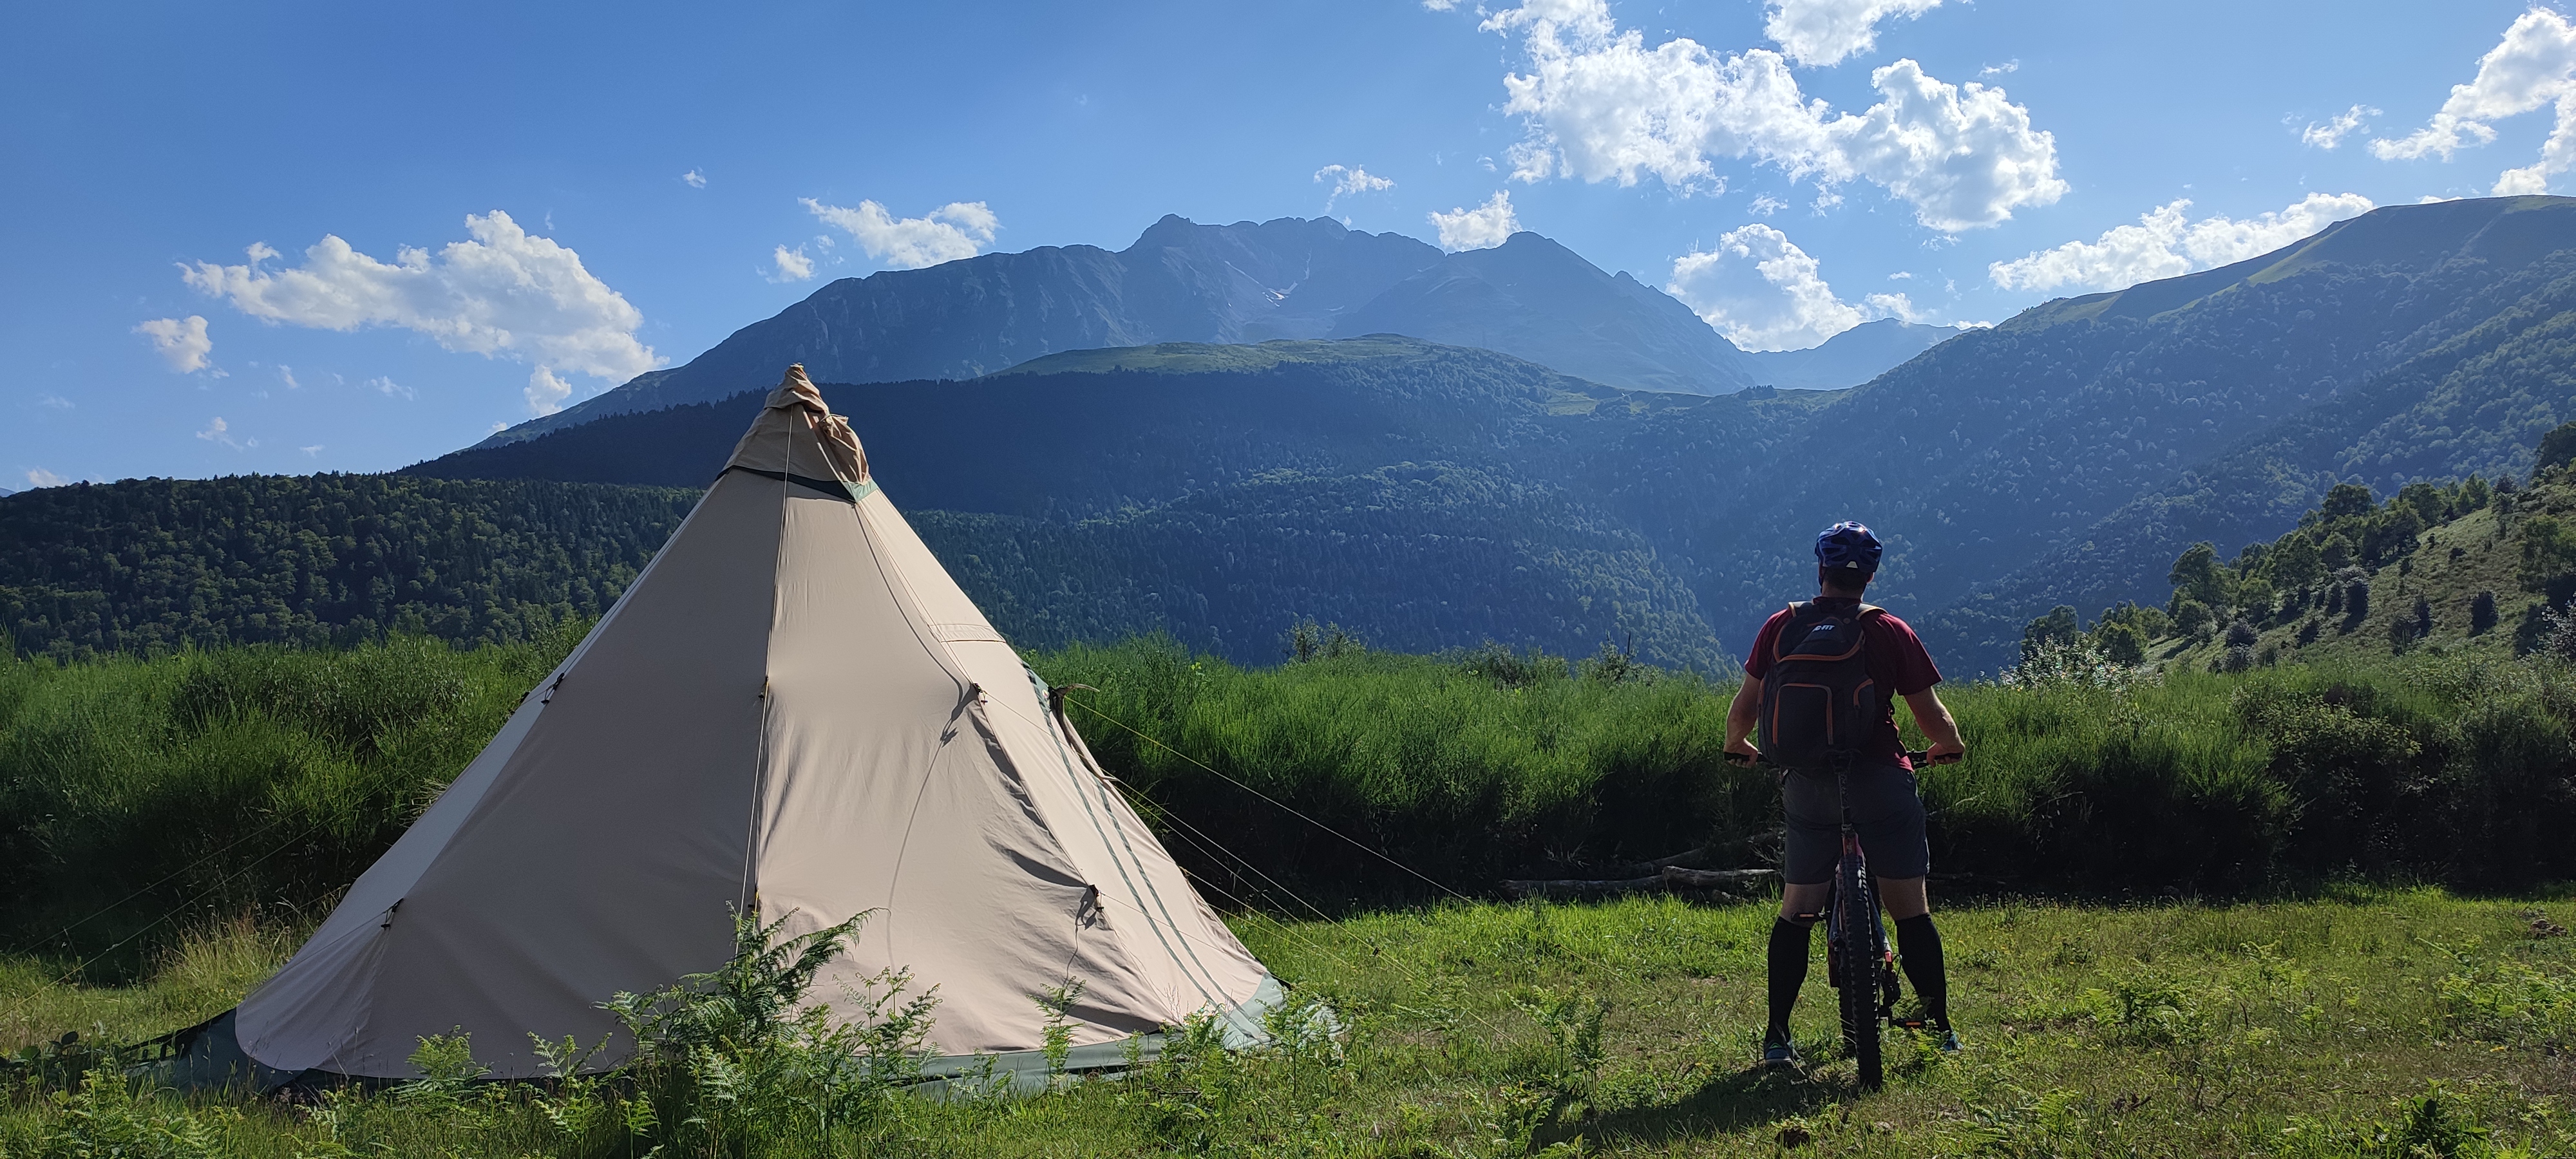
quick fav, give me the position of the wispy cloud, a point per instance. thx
(54, 402)
(40, 477)
(694, 179)
(391, 389)
(2329, 133)
(220, 431)
(1345, 182)
(793, 265)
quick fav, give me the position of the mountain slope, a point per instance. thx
(2442, 340)
(1535, 299)
(1185, 282)
(1850, 358)
(1179, 281)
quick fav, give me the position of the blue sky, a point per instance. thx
(650, 162)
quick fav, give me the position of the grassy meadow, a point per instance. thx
(2398, 1023)
(2298, 911)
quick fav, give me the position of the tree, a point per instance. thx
(2059, 626)
(2548, 555)
(2482, 613)
(2346, 501)
(2196, 575)
(2295, 562)
(2192, 617)
(2556, 448)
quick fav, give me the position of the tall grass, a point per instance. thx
(139, 793)
(2451, 768)
(1460, 769)
(138, 796)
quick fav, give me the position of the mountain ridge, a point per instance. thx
(1182, 281)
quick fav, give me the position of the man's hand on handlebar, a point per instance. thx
(1742, 753)
(1941, 754)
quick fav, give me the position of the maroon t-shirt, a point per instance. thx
(1896, 660)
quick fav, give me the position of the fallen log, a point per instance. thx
(1671, 877)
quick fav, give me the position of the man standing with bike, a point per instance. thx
(1817, 685)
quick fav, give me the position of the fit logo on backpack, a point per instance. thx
(1818, 703)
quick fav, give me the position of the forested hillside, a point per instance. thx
(153, 564)
(2062, 457)
(2465, 567)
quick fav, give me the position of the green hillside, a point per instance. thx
(2470, 568)
(2411, 344)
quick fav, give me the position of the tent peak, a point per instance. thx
(794, 389)
(797, 433)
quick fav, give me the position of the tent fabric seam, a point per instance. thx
(1065, 758)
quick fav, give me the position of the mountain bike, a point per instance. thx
(1859, 963)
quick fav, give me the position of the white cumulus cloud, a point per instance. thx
(793, 265)
(505, 293)
(1346, 182)
(959, 229)
(1601, 106)
(1817, 32)
(1483, 227)
(1764, 293)
(2534, 65)
(694, 179)
(182, 341)
(40, 477)
(2330, 133)
(545, 392)
(2166, 243)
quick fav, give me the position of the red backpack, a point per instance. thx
(1819, 705)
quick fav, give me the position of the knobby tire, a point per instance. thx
(1856, 965)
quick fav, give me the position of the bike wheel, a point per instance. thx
(1856, 962)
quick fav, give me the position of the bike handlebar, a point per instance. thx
(1912, 756)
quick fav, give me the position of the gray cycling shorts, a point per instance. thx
(1887, 810)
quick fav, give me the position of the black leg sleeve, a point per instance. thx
(1788, 962)
(1918, 946)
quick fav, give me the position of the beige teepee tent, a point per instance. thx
(794, 707)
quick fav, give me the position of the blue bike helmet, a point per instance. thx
(1848, 544)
